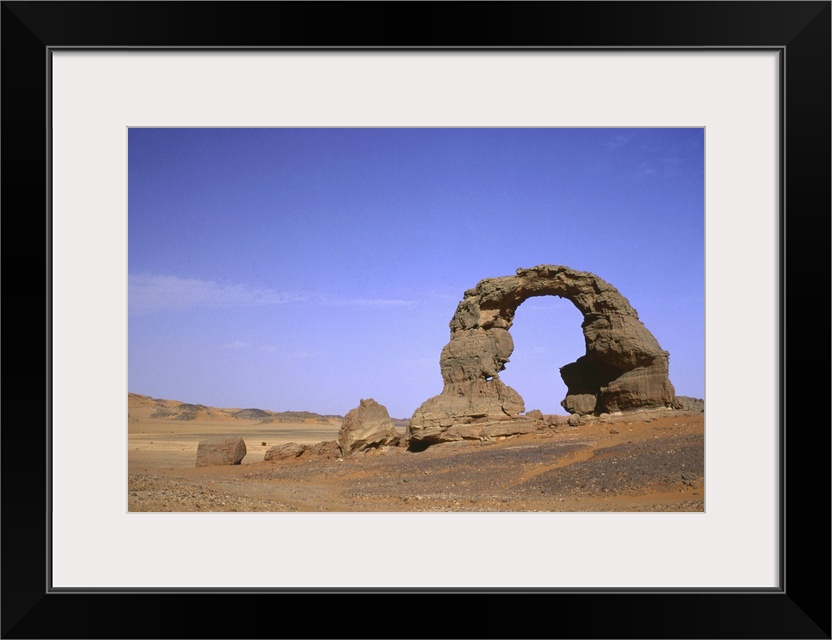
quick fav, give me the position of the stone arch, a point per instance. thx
(623, 369)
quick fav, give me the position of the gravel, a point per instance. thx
(644, 466)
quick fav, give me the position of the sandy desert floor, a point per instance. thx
(635, 463)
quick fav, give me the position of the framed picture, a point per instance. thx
(754, 77)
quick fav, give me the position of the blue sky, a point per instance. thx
(305, 269)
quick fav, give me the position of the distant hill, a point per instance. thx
(252, 414)
(148, 408)
(299, 416)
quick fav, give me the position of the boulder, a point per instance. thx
(327, 449)
(291, 450)
(624, 368)
(285, 451)
(220, 451)
(366, 427)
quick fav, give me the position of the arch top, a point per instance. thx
(624, 368)
(493, 302)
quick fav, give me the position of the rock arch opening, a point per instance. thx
(547, 334)
(623, 367)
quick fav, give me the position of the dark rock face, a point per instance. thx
(624, 368)
(365, 427)
(220, 451)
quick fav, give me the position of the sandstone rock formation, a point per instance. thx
(283, 451)
(289, 450)
(365, 427)
(327, 449)
(624, 368)
(220, 451)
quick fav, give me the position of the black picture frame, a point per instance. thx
(799, 31)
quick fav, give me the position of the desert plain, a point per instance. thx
(644, 462)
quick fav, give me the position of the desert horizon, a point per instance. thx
(646, 461)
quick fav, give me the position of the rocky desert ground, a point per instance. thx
(647, 461)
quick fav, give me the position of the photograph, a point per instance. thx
(290, 295)
(414, 303)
